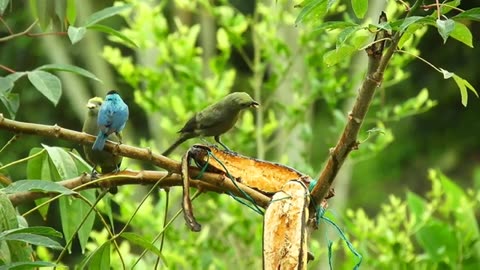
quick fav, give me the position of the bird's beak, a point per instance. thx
(255, 104)
(90, 105)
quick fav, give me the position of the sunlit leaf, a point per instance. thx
(438, 240)
(446, 74)
(71, 12)
(104, 14)
(417, 206)
(462, 34)
(113, 32)
(445, 27)
(334, 25)
(75, 34)
(360, 8)
(69, 68)
(312, 9)
(462, 86)
(334, 56)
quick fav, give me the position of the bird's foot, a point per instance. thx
(94, 174)
(225, 147)
(217, 139)
(117, 168)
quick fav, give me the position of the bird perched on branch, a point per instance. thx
(112, 117)
(107, 161)
(215, 119)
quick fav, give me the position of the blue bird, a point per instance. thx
(111, 118)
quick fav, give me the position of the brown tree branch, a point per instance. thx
(209, 181)
(348, 139)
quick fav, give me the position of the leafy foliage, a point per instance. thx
(419, 233)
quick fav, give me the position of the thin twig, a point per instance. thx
(7, 68)
(6, 25)
(12, 36)
(9, 142)
(21, 160)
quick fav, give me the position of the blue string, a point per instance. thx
(321, 215)
(312, 185)
(330, 244)
(204, 167)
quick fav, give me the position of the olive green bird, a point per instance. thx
(215, 119)
(107, 161)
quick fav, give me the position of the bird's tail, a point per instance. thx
(100, 141)
(179, 141)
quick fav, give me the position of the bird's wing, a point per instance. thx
(207, 118)
(105, 116)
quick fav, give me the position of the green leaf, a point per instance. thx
(62, 161)
(69, 68)
(61, 10)
(45, 10)
(104, 13)
(71, 12)
(462, 34)
(334, 25)
(345, 34)
(8, 219)
(462, 86)
(5, 84)
(37, 186)
(3, 5)
(27, 264)
(48, 84)
(113, 32)
(446, 74)
(312, 9)
(140, 240)
(471, 14)
(408, 21)
(11, 250)
(449, 6)
(38, 230)
(33, 239)
(223, 43)
(438, 240)
(100, 258)
(360, 7)
(75, 34)
(417, 206)
(71, 209)
(11, 101)
(445, 27)
(39, 168)
(332, 57)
